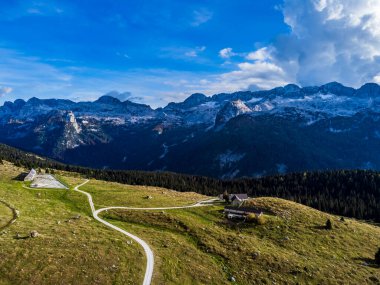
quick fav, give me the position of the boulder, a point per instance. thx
(34, 234)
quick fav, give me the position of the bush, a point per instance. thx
(250, 218)
(377, 257)
(329, 225)
(256, 219)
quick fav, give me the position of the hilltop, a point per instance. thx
(191, 246)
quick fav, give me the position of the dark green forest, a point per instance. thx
(351, 193)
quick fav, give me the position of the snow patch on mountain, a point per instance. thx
(228, 158)
(231, 174)
(333, 130)
(166, 150)
(254, 100)
(265, 106)
(231, 110)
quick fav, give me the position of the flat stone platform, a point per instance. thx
(46, 181)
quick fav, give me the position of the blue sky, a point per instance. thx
(162, 51)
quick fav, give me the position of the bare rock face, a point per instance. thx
(71, 120)
(34, 234)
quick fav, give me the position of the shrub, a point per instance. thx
(251, 218)
(256, 219)
(329, 225)
(377, 257)
(260, 220)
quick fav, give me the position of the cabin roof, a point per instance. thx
(239, 196)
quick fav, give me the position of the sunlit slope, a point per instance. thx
(191, 246)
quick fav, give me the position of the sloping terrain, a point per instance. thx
(293, 247)
(6, 215)
(191, 246)
(71, 248)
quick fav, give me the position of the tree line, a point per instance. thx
(352, 193)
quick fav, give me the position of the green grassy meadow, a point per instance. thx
(191, 246)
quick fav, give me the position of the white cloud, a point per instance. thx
(201, 16)
(226, 53)
(330, 40)
(5, 90)
(262, 54)
(195, 52)
(248, 76)
(124, 55)
(191, 53)
(376, 79)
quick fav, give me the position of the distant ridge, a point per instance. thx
(242, 134)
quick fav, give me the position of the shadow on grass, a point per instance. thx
(367, 262)
(319, 227)
(20, 177)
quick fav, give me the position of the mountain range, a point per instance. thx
(248, 133)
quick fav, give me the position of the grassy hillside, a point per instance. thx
(191, 246)
(6, 215)
(68, 250)
(351, 193)
(291, 248)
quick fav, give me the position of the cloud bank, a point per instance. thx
(329, 40)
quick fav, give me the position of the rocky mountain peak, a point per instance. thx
(369, 90)
(195, 98)
(337, 89)
(231, 110)
(291, 88)
(107, 99)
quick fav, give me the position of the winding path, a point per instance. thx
(147, 249)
